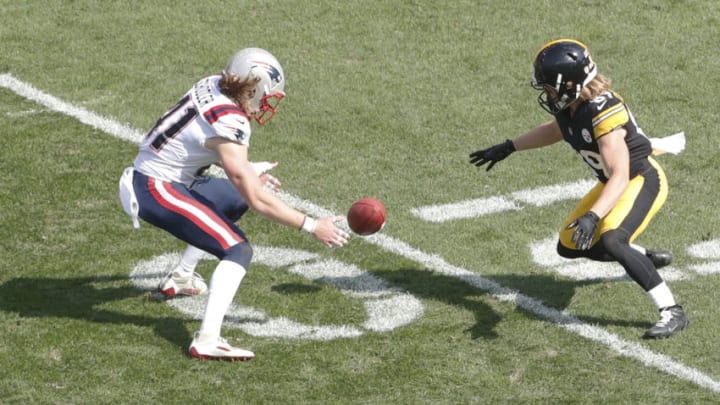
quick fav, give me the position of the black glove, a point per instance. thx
(492, 154)
(585, 225)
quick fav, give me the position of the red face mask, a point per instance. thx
(268, 107)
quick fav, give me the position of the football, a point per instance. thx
(366, 216)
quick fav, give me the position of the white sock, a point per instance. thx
(662, 296)
(189, 261)
(639, 248)
(224, 283)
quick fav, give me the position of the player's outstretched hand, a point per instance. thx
(327, 232)
(492, 154)
(585, 227)
(270, 182)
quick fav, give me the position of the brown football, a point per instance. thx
(366, 216)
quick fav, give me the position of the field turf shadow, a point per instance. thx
(83, 298)
(450, 290)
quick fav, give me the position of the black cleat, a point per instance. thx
(672, 320)
(660, 258)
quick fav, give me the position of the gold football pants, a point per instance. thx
(642, 199)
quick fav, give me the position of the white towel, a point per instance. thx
(127, 196)
(670, 144)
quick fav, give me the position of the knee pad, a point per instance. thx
(241, 254)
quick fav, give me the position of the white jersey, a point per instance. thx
(174, 149)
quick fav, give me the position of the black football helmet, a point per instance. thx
(561, 69)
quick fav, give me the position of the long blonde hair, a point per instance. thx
(597, 86)
(239, 91)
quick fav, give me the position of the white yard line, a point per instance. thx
(566, 321)
(479, 207)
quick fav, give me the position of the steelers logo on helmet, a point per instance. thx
(560, 70)
(590, 67)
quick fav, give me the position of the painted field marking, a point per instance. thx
(544, 254)
(387, 308)
(706, 250)
(563, 319)
(479, 207)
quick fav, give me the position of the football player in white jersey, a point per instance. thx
(211, 125)
(631, 188)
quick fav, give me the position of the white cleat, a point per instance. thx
(217, 348)
(175, 284)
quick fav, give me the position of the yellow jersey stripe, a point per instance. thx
(610, 119)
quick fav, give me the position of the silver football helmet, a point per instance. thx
(252, 63)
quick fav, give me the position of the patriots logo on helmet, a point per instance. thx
(274, 74)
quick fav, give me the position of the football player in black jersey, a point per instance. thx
(631, 186)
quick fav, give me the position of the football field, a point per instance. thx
(460, 299)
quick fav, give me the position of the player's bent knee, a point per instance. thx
(241, 254)
(614, 242)
(239, 210)
(567, 252)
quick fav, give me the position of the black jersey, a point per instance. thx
(597, 117)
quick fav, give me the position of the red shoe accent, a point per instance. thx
(169, 293)
(195, 355)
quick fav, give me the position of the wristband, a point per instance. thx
(309, 224)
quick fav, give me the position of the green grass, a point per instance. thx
(385, 99)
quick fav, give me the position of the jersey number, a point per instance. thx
(172, 123)
(594, 160)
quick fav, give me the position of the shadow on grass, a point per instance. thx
(82, 298)
(450, 290)
(550, 291)
(557, 293)
(295, 288)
